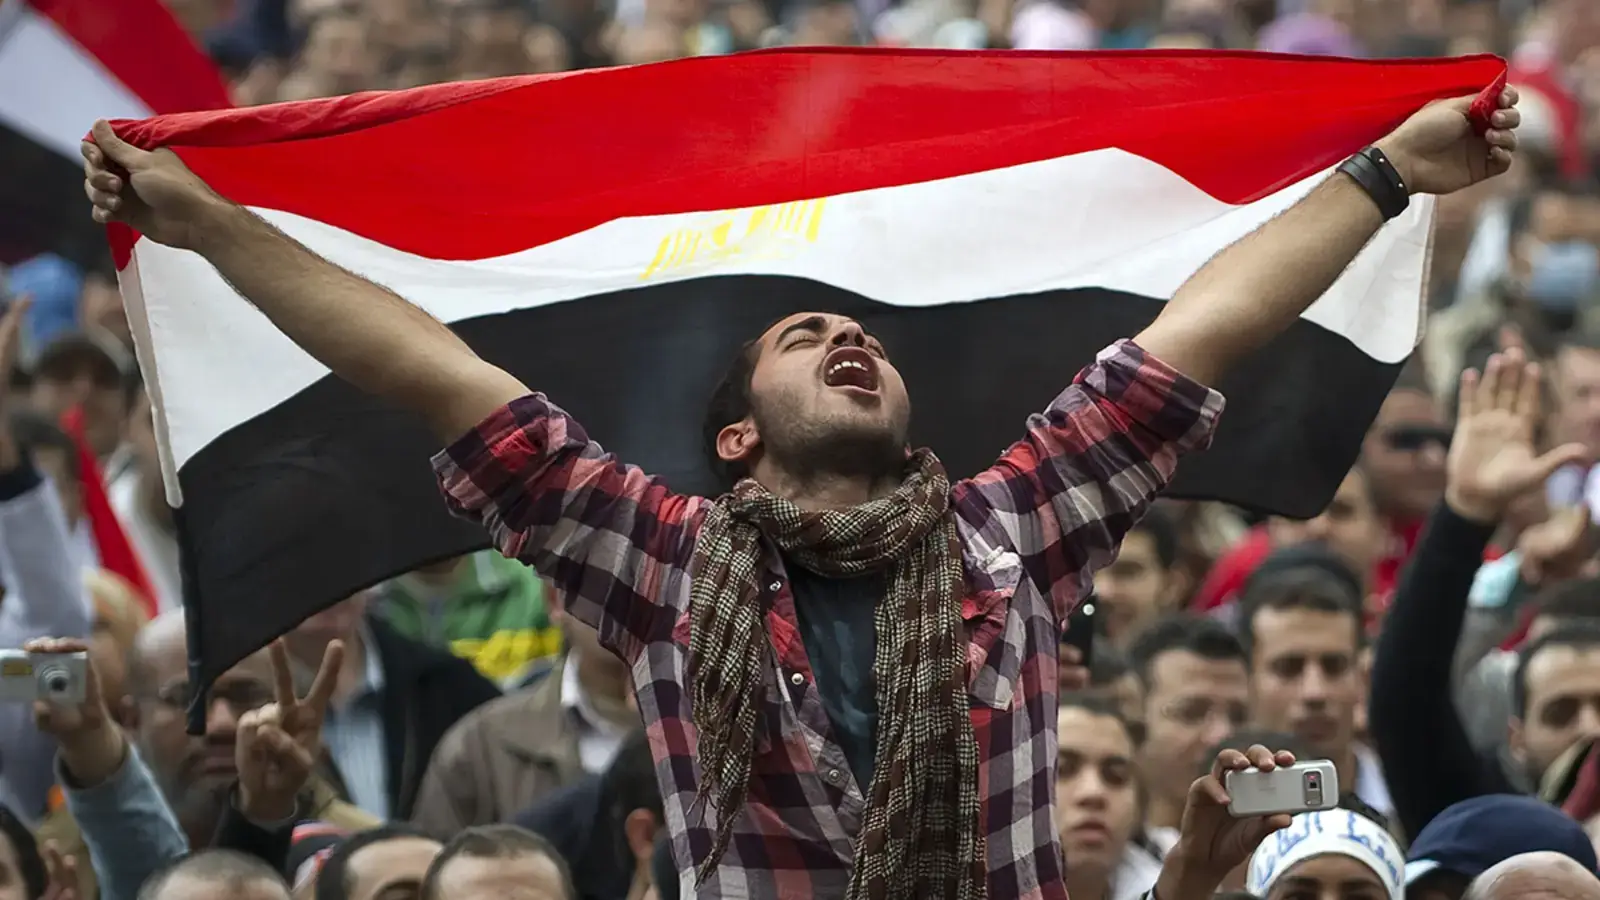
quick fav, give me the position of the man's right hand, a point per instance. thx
(1492, 457)
(1558, 548)
(62, 869)
(151, 191)
(92, 746)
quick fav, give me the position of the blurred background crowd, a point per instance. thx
(1451, 671)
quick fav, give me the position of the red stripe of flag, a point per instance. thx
(144, 47)
(520, 162)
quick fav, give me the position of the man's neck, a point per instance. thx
(1093, 884)
(826, 491)
(1347, 765)
(439, 574)
(199, 820)
(606, 689)
(1165, 813)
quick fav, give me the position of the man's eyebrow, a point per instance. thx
(813, 324)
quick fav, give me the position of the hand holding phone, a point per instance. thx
(1080, 630)
(1303, 787)
(1216, 837)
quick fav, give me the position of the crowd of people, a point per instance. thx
(476, 728)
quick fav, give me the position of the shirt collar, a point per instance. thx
(575, 700)
(372, 679)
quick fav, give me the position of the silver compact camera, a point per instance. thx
(56, 678)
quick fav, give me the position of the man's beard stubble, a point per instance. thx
(813, 450)
(197, 804)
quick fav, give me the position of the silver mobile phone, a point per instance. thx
(1302, 787)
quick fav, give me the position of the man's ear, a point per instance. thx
(641, 827)
(738, 443)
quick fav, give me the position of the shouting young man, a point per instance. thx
(848, 663)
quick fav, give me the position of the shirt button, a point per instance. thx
(833, 775)
(797, 679)
(775, 586)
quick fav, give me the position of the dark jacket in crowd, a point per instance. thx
(574, 819)
(271, 843)
(1428, 761)
(585, 820)
(425, 690)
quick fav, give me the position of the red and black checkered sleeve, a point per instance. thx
(1089, 466)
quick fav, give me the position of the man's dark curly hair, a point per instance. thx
(730, 402)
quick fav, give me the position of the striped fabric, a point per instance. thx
(1033, 528)
(354, 735)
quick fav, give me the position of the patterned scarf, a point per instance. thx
(919, 836)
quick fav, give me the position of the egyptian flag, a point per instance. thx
(612, 237)
(67, 62)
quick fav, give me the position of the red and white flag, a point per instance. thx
(67, 62)
(612, 237)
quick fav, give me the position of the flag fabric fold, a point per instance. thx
(612, 237)
(112, 547)
(67, 62)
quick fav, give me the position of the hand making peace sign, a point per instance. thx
(280, 743)
(62, 869)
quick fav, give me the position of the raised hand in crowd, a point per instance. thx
(166, 200)
(1211, 841)
(61, 871)
(1558, 548)
(1437, 152)
(93, 747)
(1493, 459)
(280, 743)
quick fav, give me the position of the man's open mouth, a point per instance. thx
(850, 367)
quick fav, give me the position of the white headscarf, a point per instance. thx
(1337, 831)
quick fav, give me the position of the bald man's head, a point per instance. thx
(160, 644)
(195, 772)
(1535, 876)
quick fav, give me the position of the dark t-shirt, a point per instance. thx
(841, 641)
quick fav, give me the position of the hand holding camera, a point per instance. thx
(1214, 841)
(67, 705)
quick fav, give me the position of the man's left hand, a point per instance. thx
(1211, 841)
(278, 744)
(62, 871)
(1071, 674)
(1436, 151)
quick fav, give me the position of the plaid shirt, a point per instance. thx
(1033, 527)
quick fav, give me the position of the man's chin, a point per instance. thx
(211, 781)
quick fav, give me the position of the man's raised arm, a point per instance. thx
(365, 333)
(1254, 290)
(515, 463)
(1093, 461)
